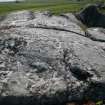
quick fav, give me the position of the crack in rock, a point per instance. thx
(87, 35)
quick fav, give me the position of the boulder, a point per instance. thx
(48, 60)
(91, 17)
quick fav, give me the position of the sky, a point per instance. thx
(6, 0)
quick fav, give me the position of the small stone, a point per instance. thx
(40, 66)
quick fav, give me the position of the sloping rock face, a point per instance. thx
(48, 60)
(97, 34)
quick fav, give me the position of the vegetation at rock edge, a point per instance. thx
(55, 6)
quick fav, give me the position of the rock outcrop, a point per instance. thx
(48, 60)
(91, 17)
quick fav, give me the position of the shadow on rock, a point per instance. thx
(95, 91)
(29, 100)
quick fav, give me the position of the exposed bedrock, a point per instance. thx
(48, 60)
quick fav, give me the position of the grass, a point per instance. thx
(56, 6)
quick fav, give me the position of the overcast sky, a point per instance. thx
(6, 0)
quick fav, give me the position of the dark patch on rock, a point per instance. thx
(2, 18)
(40, 66)
(80, 74)
(91, 17)
(93, 91)
(48, 13)
(32, 15)
(12, 44)
(32, 100)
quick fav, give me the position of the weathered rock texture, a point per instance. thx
(48, 60)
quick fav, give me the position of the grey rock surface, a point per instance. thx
(97, 34)
(48, 60)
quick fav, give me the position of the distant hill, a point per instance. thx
(49, 1)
